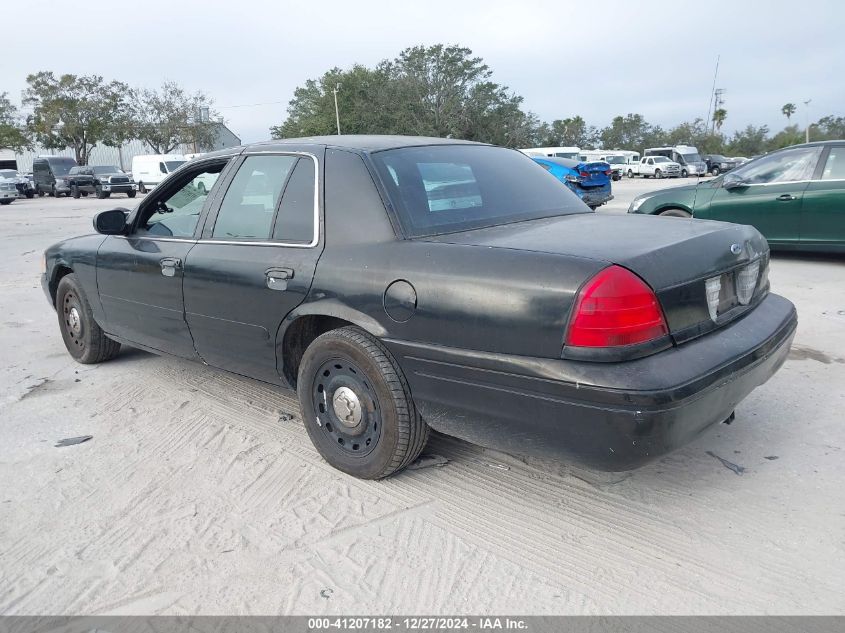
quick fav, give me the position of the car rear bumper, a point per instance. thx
(595, 196)
(608, 416)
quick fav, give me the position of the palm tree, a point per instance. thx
(788, 110)
(719, 117)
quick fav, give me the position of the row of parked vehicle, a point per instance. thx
(61, 176)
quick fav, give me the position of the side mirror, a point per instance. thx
(732, 181)
(111, 222)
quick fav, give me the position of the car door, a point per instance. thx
(823, 209)
(767, 195)
(139, 275)
(255, 261)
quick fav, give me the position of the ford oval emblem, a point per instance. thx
(736, 249)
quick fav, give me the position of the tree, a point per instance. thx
(790, 135)
(431, 91)
(570, 132)
(788, 110)
(169, 117)
(77, 112)
(12, 135)
(631, 131)
(695, 133)
(719, 117)
(830, 128)
(749, 142)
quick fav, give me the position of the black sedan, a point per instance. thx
(404, 284)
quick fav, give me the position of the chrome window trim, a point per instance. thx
(314, 242)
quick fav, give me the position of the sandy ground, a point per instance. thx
(196, 495)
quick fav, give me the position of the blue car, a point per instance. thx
(589, 181)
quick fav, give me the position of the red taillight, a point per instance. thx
(584, 174)
(608, 172)
(615, 308)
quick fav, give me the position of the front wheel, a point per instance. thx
(630, 173)
(74, 191)
(357, 406)
(7, 201)
(715, 171)
(39, 192)
(84, 339)
(130, 194)
(684, 173)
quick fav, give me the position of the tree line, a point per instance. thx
(445, 91)
(79, 111)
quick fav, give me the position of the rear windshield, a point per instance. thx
(448, 188)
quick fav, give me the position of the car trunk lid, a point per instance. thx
(675, 256)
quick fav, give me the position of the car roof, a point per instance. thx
(360, 142)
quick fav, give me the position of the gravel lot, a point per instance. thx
(196, 495)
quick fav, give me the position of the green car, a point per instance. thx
(794, 196)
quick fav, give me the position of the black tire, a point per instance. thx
(684, 173)
(130, 194)
(39, 192)
(84, 194)
(30, 194)
(5, 202)
(83, 338)
(715, 171)
(630, 173)
(100, 193)
(675, 213)
(53, 192)
(389, 433)
(74, 191)
(658, 173)
(142, 188)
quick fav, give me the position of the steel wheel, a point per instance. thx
(347, 407)
(74, 328)
(84, 339)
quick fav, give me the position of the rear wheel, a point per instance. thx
(142, 188)
(53, 191)
(357, 406)
(676, 213)
(7, 201)
(83, 338)
(684, 173)
(630, 173)
(658, 173)
(74, 191)
(715, 171)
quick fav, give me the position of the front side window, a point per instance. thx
(176, 214)
(834, 168)
(786, 166)
(250, 203)
(447, 188)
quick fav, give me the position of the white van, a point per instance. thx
(150, 169)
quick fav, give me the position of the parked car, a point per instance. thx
(795, 197)
(101, 180)
(655, 167)
(22, 183)
(150, 169)
(50, 175)
(617, 161)
(8, 190)
(717, 164)
(402, 283)
(589, 181)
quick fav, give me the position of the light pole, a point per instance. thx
(807, 120)
(336, 111)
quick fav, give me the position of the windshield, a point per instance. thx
(173, 165)
(661, 159)
(8, 173)
(615, 160)
(107, 169)
(62, 167)
(691, 158)
(447, 188)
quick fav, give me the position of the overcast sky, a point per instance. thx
(596, 58)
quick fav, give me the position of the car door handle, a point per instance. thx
(277, 278)
(169, 266)
(786, 197)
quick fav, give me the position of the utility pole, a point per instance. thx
(807, 120)
(336, 111)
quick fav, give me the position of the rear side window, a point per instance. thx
(834, 168)
(295, 220)
(250, 203)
